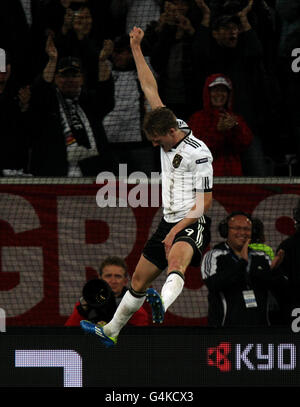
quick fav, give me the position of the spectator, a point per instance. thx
(258, 243)
(14, 143)
(237, 277)
(225, 133)
(123, 124)
(113, 272)
(169, 41)
(68, 136)
(289, 13)
(263, 19)
(58, 15)
(232, 47)
(290, 267)
(78, 39)
(22, 35)
(130, 13)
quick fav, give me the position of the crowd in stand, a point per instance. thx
(71, 103)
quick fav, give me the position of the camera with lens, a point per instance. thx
(98, 302)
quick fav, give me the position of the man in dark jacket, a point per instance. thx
(13, 112)
(290, 267)
(238, 278)
(68, 135)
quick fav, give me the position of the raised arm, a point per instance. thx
(145, 75)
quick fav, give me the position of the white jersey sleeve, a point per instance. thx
(201, 168)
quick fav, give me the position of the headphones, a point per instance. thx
(223, 225)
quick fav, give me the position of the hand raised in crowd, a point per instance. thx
(205, 12)
(68, 20)
(49, 71)
(168, 17)
(226, 121)
(184, 24)
(203, 6)
(50, 47)
(243, 15)
(244, 251)
(24, 96)
(107, 49)
(104, 66)
(245, 10)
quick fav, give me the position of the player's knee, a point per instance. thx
(180, 257)
(176, 265)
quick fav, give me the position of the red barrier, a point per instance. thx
(53, 238)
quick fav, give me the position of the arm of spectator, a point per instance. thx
(226, 122)
(104, 65)
(185, 25)
(68, 21)
(243, 15)
(278, 259)
(24, 96)
(205, 12)
(167, 18)
(241, 136)
(218, 275)
(49, 71)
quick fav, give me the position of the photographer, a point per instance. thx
(100, 297)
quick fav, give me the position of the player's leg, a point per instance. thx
(187, 249)
(179, 259)
(180, 256)
(134, 298)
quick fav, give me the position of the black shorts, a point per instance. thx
(197, 235)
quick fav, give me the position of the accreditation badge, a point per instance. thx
(249, 298)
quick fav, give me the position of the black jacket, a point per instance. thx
(227, 276)
(290, 268)
(49, 153)
(14, 142)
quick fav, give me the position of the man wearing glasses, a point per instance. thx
(238, 278)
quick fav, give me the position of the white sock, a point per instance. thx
(127, 307)
(171, 289)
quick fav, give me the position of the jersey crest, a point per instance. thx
(177, 160)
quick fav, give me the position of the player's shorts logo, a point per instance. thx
(218, 356)
(177, 160)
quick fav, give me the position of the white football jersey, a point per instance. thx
(186, 169)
